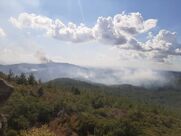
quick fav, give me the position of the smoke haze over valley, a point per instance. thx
(138, 77)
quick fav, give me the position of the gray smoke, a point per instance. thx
(138, 77)
(41, 56)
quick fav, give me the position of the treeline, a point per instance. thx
(23, 79)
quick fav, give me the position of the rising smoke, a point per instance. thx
(42, 58)
(138, 77)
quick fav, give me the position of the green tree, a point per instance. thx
(31, 79)
(75, 91)
(10, 75)
(22, 79)
(20, 123)
(40, 92)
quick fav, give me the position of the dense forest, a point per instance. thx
(67, 107)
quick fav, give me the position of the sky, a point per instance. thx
(96, 33)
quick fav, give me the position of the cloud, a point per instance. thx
(132, 23)
(104, 31)
(111, 30)
(120, 31)
(163, 41)
(157, 48)
(163, 45)
(53, 28)
(71, 32)
(31, 20)
(2, 33)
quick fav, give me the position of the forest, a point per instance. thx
(68, 107)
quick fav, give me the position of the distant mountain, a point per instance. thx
(47, 71)
(50, 71)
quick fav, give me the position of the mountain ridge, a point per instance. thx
(50, 71)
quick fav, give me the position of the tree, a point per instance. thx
(20, 122)
(22, 79)
(75, 91)
(31, 79)
(10, 75)
(40, 92)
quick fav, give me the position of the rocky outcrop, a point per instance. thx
(5, 90)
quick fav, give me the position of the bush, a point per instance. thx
(128, 128)
(45, 113)
(20, 123)
(75, 91)
(43, 131)
(12, 132)
(97, 103)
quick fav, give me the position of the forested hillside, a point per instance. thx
(66, 107)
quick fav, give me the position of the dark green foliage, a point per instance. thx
(24, 111)
(45, 113)
(128, 128)
(75, 91)
(96, 126)
(31, 79)
(2, 75)
(19, 123)
(40, 92)
(100, 110)
(22, 79)
(10, 75)
(97, 102)
(87, 125)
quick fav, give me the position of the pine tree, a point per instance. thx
(10, 75)
(22, 79)
(31, 79)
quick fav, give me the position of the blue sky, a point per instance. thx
(22, 44)
(166, 11)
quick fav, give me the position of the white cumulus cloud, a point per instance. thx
(2, 33)
(120, 31)
(157, 48)
(163, 45)
(111, 30)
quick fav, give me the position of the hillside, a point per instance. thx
(138, 77)
(169, 96)
(70, 107)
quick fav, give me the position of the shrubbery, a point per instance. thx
(43, 131)
(98, 112)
